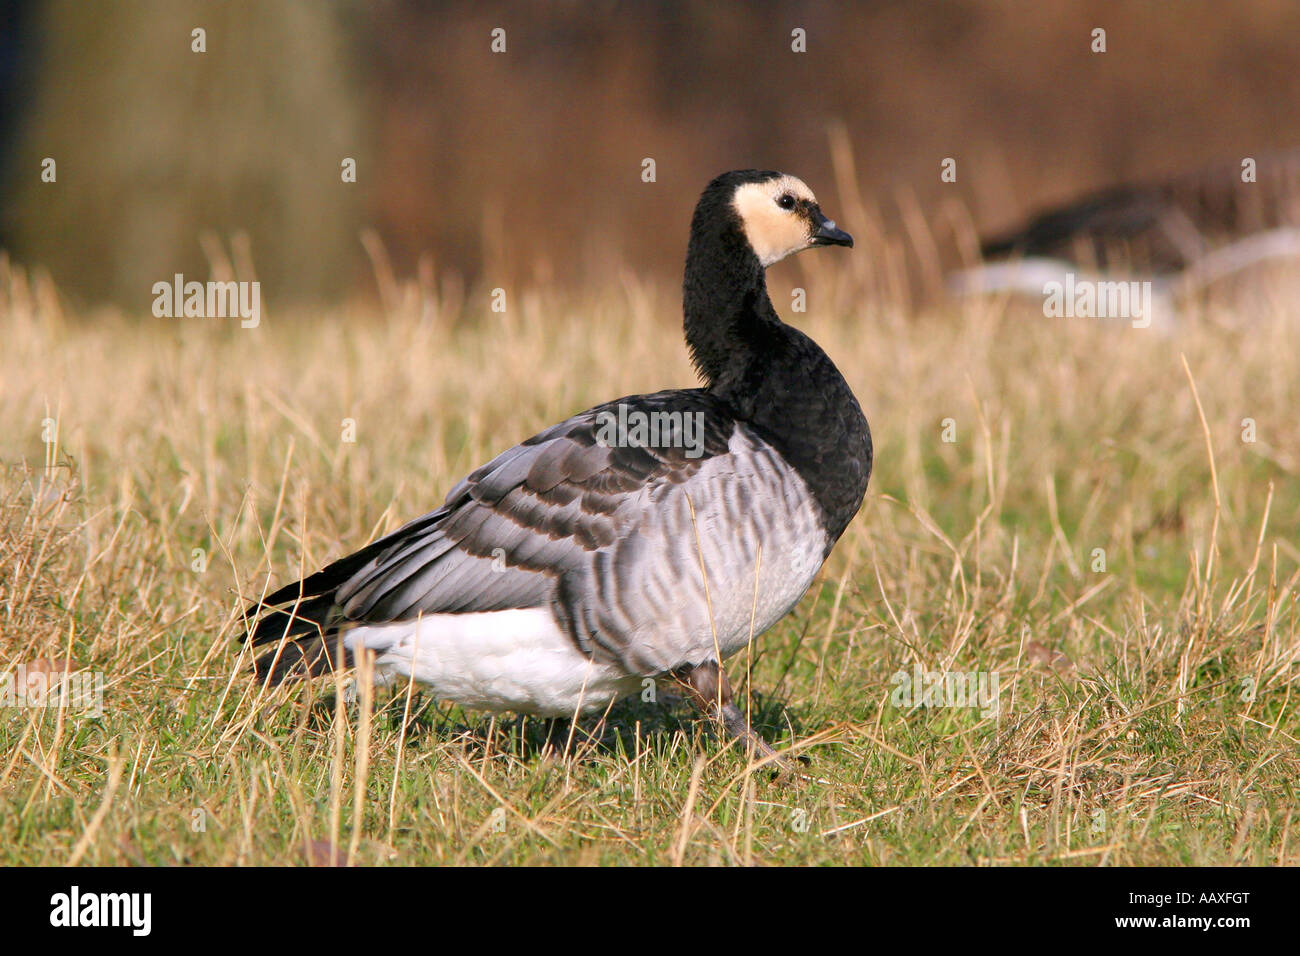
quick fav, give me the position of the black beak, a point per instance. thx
(825, 233)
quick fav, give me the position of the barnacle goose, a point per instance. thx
(571, 567)
(1171, 225)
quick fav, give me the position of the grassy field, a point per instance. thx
(1104, 533)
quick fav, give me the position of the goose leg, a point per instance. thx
(708, 688)
(555, 740)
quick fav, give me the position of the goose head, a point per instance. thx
(745, 221)
(779, 215)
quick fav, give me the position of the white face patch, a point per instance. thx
(773, 232)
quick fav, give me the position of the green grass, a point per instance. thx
(1125, 733)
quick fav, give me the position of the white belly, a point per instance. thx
(515, 660)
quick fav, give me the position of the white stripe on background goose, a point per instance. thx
(558, 576)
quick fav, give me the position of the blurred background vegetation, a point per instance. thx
(526, 166)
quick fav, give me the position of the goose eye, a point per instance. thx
(786, 201)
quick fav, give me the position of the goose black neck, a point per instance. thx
(770, 374)
(729, 322)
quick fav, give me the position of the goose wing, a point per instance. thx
(520, 530)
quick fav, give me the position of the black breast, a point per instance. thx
(793, 393)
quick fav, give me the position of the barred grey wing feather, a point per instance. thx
(715, 559)
(513, 527)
